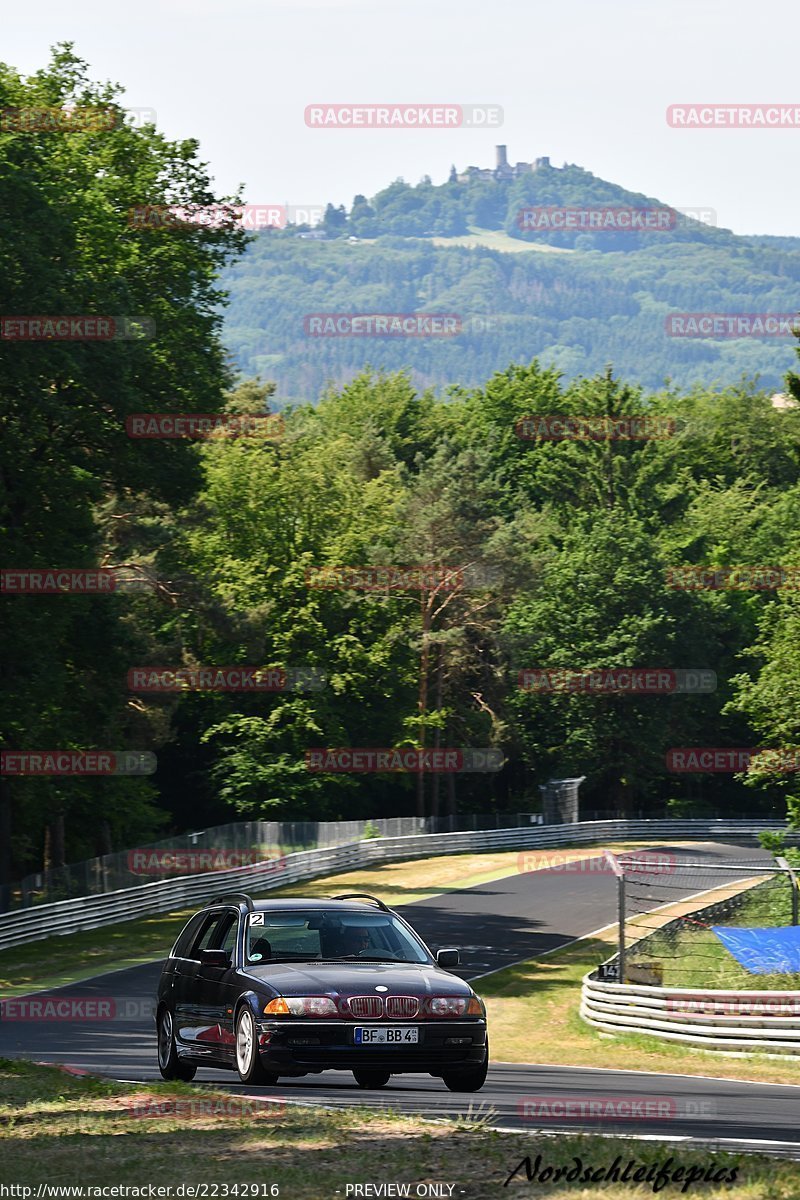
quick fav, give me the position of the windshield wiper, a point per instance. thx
(267, 962)
(373, 958)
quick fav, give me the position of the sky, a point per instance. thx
(581, 81)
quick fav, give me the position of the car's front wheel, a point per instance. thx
(169, 1064)
(470, 1080)
(248, 1063)
(371, 1079)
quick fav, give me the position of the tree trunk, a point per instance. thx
(105, 838)
(437, 737)
(58, 840)
(451, 785)
(5, 846)
(422, 702)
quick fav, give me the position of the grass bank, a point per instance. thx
(66, 1132)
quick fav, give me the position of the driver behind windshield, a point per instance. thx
(355, 941)
(349, 942)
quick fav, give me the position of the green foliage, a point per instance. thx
(557, 549)
(73, 483)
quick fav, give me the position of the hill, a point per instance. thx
(592, 298)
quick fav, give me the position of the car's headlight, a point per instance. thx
(301, 1006)
(455, 1006)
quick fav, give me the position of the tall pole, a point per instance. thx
(794, 885)
(620, 874)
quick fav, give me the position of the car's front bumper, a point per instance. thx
(294, 1047)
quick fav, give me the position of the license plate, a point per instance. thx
(397, 1035)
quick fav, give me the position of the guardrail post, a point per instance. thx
(620, 874)
(794, 885)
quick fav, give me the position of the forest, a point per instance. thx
(508, 546)
(573, 308)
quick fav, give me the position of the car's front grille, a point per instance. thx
(402, 1006)
(366, 1006)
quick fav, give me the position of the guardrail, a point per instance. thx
(169, 895)
(231, 845)
(727, 1021)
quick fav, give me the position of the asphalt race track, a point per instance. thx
(494, 925)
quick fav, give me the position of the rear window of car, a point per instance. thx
(187, 936)
(330, 936)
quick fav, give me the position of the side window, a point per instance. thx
(229, 940)
(218, 932)
(187, 936)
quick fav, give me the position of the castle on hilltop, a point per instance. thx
(502, 169)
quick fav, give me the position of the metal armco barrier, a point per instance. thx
(732, 1022)
(169, 895)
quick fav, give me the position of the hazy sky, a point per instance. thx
(583, 81)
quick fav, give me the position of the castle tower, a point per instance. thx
(502, 159)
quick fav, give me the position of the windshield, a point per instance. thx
(325, 936)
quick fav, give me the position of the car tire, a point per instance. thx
(371, 1079)
(169, 1064)
(470, 1080)
(248, 1063)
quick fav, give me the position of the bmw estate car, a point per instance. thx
(295, 987)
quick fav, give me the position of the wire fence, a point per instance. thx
(667, 909)
(223, 847)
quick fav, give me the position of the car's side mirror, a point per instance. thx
(447, 958)
(215, 958)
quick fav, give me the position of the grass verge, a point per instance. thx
(62, 1131)
(533, 1017)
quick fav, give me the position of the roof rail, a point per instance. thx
(240, 897)
(361, 896)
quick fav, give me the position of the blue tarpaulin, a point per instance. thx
(773, 951)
